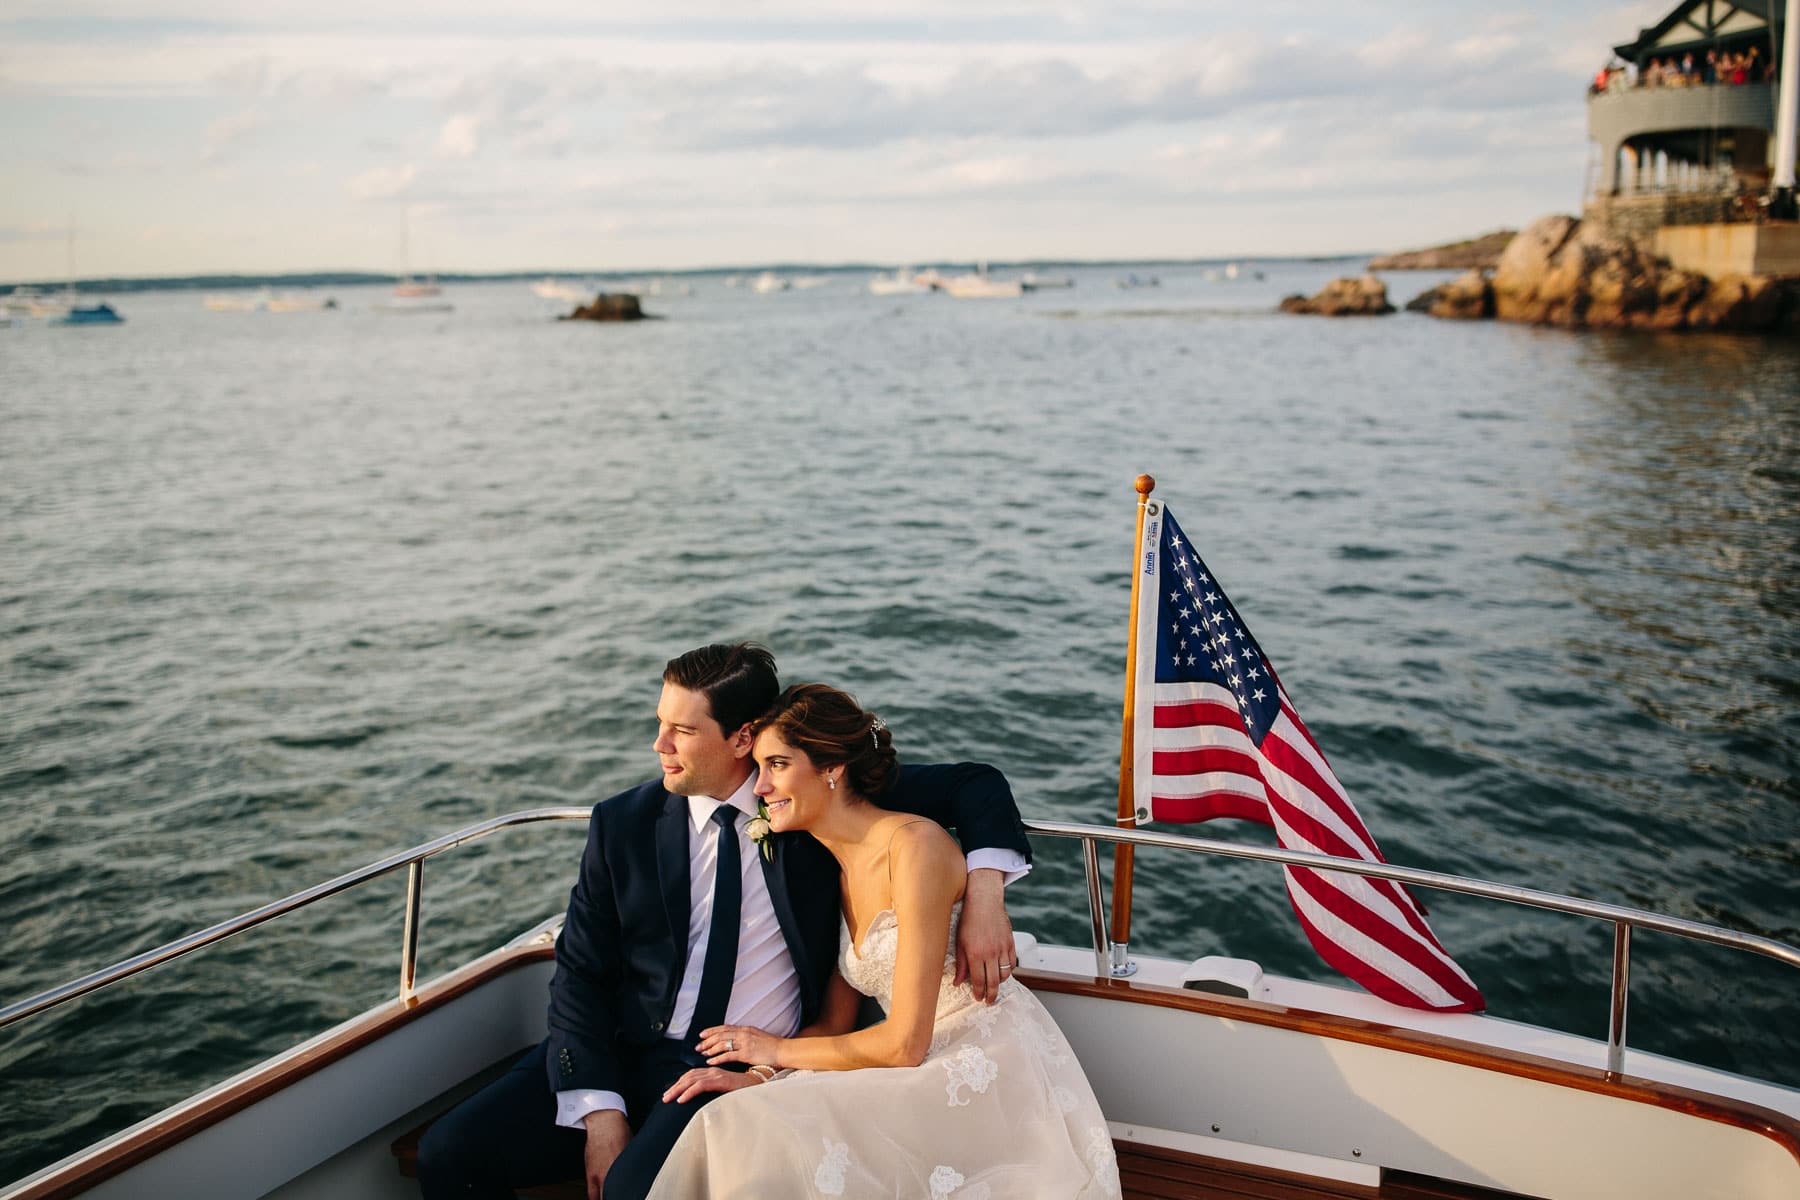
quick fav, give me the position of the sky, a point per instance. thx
(257, 136)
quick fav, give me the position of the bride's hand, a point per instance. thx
(701, 1080)
(739, 1043)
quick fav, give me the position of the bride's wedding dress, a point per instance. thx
(998, 1109)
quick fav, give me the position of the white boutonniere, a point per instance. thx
(759, 830)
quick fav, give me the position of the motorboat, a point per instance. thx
(903, 282)
(979, 285)
(1217, 1078)
(300, 303)
(36, 303)
(238, 301)
(90, 314)
(1034, 281)
(562, 291)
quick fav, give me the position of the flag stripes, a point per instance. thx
(1217, 736)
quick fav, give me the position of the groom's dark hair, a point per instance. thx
(737, 679)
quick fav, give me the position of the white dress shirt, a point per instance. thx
(765, 990)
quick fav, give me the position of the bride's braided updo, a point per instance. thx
(832, 728)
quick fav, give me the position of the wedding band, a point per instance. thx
(730, 1045)
(1006, 966)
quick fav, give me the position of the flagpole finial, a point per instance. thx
(1146, 484)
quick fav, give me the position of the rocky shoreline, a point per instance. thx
(1481, 254)
(1572, 274)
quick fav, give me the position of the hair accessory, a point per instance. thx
(876, 725)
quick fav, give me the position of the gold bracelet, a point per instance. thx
(758, 1070)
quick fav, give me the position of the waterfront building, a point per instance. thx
(1689, 122)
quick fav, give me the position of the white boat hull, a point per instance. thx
(1320, 1080)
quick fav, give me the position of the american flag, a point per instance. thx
(1215, 735)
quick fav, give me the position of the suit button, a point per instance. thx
(657, 1027)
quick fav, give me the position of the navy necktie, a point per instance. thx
(717, 972)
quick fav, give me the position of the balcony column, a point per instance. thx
(1787, 108)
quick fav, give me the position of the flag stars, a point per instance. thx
(1258, 695)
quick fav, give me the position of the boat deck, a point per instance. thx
(1151, 1173)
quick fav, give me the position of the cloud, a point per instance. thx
(226, 134)
(383, 183)
(458, 138)
(39, 231)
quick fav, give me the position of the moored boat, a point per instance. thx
(90, 314)
(34, 302)
(1210, 1071)
(903, 282)
(562, 291)
(979, 285)
(416, 296)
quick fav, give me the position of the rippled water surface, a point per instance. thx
(282, 593)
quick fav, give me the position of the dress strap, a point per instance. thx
(890, 850)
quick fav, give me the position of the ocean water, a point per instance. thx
(281, 593)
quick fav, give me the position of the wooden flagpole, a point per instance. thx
(1121, 894)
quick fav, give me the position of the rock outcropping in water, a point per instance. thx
(1565, 272)
(609, 306)
(1364, 297)
(1477, 254)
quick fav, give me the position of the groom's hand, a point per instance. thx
(984, 942)
(607, 1134)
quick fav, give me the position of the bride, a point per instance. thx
(977, 1102)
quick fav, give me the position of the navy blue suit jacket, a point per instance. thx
(623, 946)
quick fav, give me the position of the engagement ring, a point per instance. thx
(730, 1045)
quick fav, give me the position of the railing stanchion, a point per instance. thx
(1090, 860)
(1621, 989)
(409, 933)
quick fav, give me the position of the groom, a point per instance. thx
(639, 971)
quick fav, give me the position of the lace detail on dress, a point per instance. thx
(999, 1108)
(969, 1068)
(829, 1176)
(870, 970)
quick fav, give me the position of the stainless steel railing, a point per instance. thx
(1623, 919)
(413, 860)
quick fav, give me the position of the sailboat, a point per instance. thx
(412, 294)
(83, 314)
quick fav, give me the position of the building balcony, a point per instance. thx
(1706, 125)
(1615, 116)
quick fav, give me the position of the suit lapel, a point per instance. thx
(775, 875)
(672, 873)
